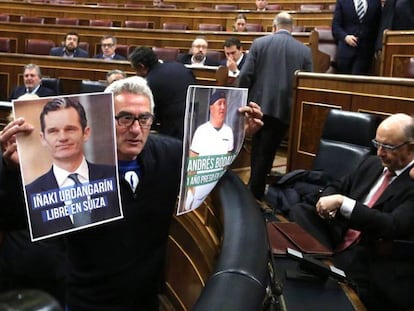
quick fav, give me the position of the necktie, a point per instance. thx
(82, 218)
(360, 10)
(352, 235)
(132, 178)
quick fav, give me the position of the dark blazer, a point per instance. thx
(47, 182)
(223, 62)
(391, 218)
(169, 83)
(58, 51)
(396, 15)
(186, 59)
(41, 92)
(269, 77)
(346, 22)
(116, 56)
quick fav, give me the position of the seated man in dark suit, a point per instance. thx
(198, 54)
(32, 78)
(235, 57)
(108, 47)
(70, 48)
(365, 216)
(64, 131)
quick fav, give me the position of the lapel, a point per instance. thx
(368, 179)
(399, 183)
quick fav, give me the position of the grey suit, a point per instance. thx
(268, 74)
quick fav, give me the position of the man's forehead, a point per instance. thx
(200, 41)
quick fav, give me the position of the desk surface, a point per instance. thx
(304, 295)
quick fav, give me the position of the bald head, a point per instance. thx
(283, 20)
(394, 139)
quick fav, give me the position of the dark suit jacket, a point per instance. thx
(58, 51)
(396, 15)
(186, 59)
(169, 83)
(391, 218)
(116, 56)
(239, 66)
(346, 22)
(47, 182)
(269, 69)
(41, 92)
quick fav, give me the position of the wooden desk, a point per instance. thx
(72, 71)
(397, 48)
(150, 37)
(159, 16)
(314, 94)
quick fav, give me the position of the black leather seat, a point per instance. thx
(53, 84)
(345, 141)
(28, 300)
(88, 86)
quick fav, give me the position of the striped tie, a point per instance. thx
(360, 10)
(83, 218)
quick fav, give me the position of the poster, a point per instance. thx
(213, 137)
(68, 163)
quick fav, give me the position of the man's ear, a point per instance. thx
(86, 133)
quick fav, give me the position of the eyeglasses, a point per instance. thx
(107, 45)
(127, 120)
(386, 147)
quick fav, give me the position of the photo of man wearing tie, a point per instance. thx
(74, 192)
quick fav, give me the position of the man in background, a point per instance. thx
(235, 56)
(268, 74)
(261, 5)
(108, 49)
(70, 47)
(115, 75)
(198, 54)
(32, 79)
(169, 82)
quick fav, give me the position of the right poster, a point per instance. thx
(213, 137)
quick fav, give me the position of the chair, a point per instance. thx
(7, 45)
(210, 27)
(327, 45)
(84, 46)
(410, 70)
(166, 54)
(4, 18)
(254, 27)
(88, 86)
(31, 19)
(53, 84)
(215, 55)
(167, 6)
(225, 7)
(123, 49)
(311, 7)
(175, 26)
(345, 141)
(273, 7)
(139, 24)
(38, 46)
(67, 21)
(100, 23)
(298, 28)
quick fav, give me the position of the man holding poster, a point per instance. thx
(74, 192)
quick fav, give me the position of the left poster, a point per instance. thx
(68, 163)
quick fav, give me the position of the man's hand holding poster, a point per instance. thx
(214, 135)
(68, 163)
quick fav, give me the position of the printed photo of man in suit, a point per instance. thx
(74, 193)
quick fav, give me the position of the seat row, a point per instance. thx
(43, 46)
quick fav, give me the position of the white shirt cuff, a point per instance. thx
(347, 207)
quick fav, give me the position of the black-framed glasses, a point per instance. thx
(107, 45)
(387, 147)
(127, 119)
